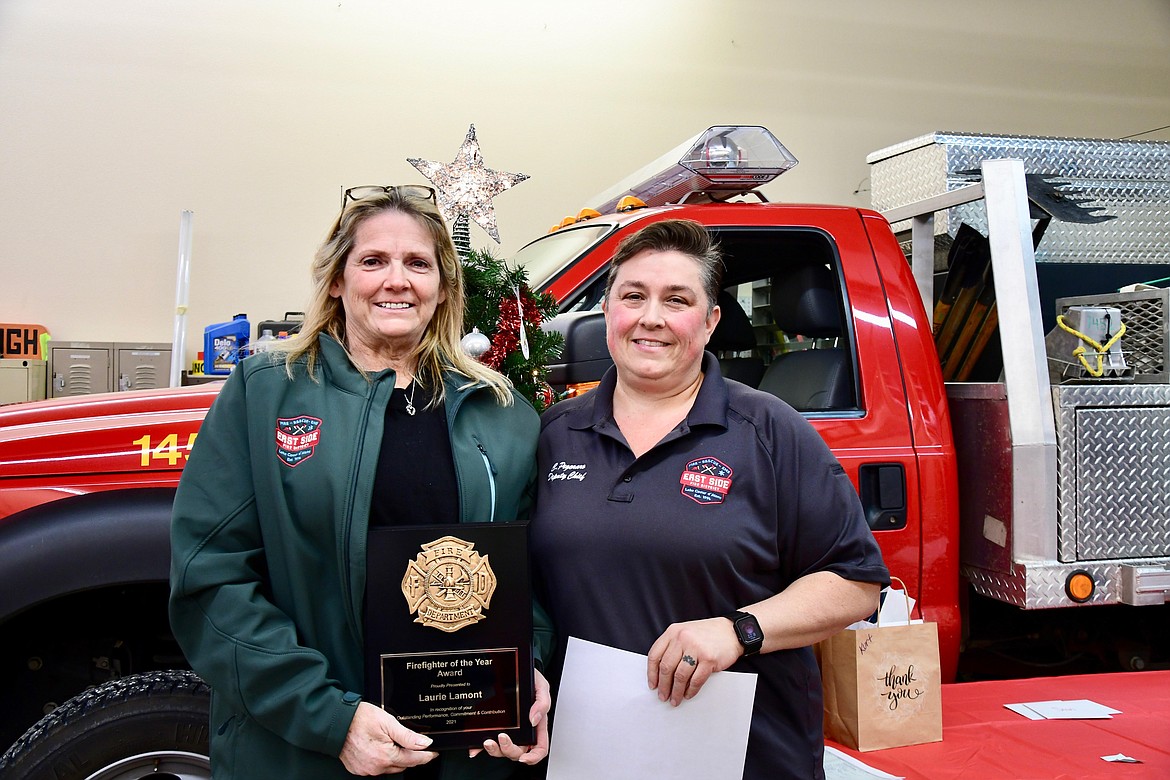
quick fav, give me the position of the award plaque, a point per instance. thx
(449, 630)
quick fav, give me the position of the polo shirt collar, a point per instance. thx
(710, 407)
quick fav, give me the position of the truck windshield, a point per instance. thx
(545, 257)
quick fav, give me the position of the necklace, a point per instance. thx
(410, 398)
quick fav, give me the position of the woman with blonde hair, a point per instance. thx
(371, 417)
(326, 314)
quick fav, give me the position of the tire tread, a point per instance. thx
(147, 686)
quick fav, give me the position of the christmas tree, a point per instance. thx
(501, 307)
(502, 314)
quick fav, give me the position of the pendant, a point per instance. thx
(410, 398)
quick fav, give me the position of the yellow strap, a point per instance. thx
(1079, 352)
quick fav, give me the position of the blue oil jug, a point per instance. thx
(225, 344)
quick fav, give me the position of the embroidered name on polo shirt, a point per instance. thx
(297, 438)
(571, 472)
(706, 480)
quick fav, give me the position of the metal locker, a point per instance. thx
(142, 366)
(80, 368)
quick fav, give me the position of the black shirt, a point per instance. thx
(415, 482)
(414, 485)
(732, 506)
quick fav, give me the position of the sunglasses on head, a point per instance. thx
(420, 191)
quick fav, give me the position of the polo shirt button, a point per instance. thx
(349, 697)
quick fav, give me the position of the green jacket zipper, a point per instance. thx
(491, 475)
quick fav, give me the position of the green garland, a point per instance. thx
(491, 306)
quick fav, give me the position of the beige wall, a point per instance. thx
(117, 115)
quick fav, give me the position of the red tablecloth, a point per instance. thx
(983, 740)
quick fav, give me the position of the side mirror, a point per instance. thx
(585, 357)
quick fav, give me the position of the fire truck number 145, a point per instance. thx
(168, 449)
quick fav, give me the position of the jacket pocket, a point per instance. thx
(226, 724)
(490, 469)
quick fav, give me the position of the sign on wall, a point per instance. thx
(21, 340)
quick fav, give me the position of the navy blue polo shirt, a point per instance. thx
(733, 505)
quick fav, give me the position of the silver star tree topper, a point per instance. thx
(465, 186)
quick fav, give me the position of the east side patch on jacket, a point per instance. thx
(706, 480)
(297, 438)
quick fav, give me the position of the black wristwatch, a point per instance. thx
(747, 630)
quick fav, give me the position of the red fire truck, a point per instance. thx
(967, 486)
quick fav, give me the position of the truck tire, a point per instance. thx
(149, 725)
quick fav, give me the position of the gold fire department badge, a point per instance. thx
(448, 584)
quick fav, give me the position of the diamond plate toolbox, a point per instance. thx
(1129, 180)
(1113, 471)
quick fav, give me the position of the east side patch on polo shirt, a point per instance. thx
(706, 480)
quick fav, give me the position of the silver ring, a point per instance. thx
(686, 659)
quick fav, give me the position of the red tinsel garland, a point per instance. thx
(507, 336)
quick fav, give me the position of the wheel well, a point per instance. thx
(58, 648)
(80, 543)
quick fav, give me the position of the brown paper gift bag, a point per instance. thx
(882, 685)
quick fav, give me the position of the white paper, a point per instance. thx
(1120, 758)
(1025, 710)
(895, 610)
(608, 724)
(842, 766)
(1057, 709)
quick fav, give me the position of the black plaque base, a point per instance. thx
(439, 658)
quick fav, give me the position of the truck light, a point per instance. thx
(582, 215)
(721, 152)
(629, 203)
(1079, 586)
(720, 162)
(580, 388)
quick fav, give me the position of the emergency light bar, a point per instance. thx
(726, 160)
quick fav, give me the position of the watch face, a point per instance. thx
(751, 630)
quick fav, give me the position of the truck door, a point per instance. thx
(824, 330)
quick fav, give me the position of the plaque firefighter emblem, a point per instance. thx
(449, 584)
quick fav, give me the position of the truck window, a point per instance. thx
(589, 299)
(783, 327)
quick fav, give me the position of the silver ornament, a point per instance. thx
(475, 343)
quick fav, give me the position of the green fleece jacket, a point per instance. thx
(268, 552)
